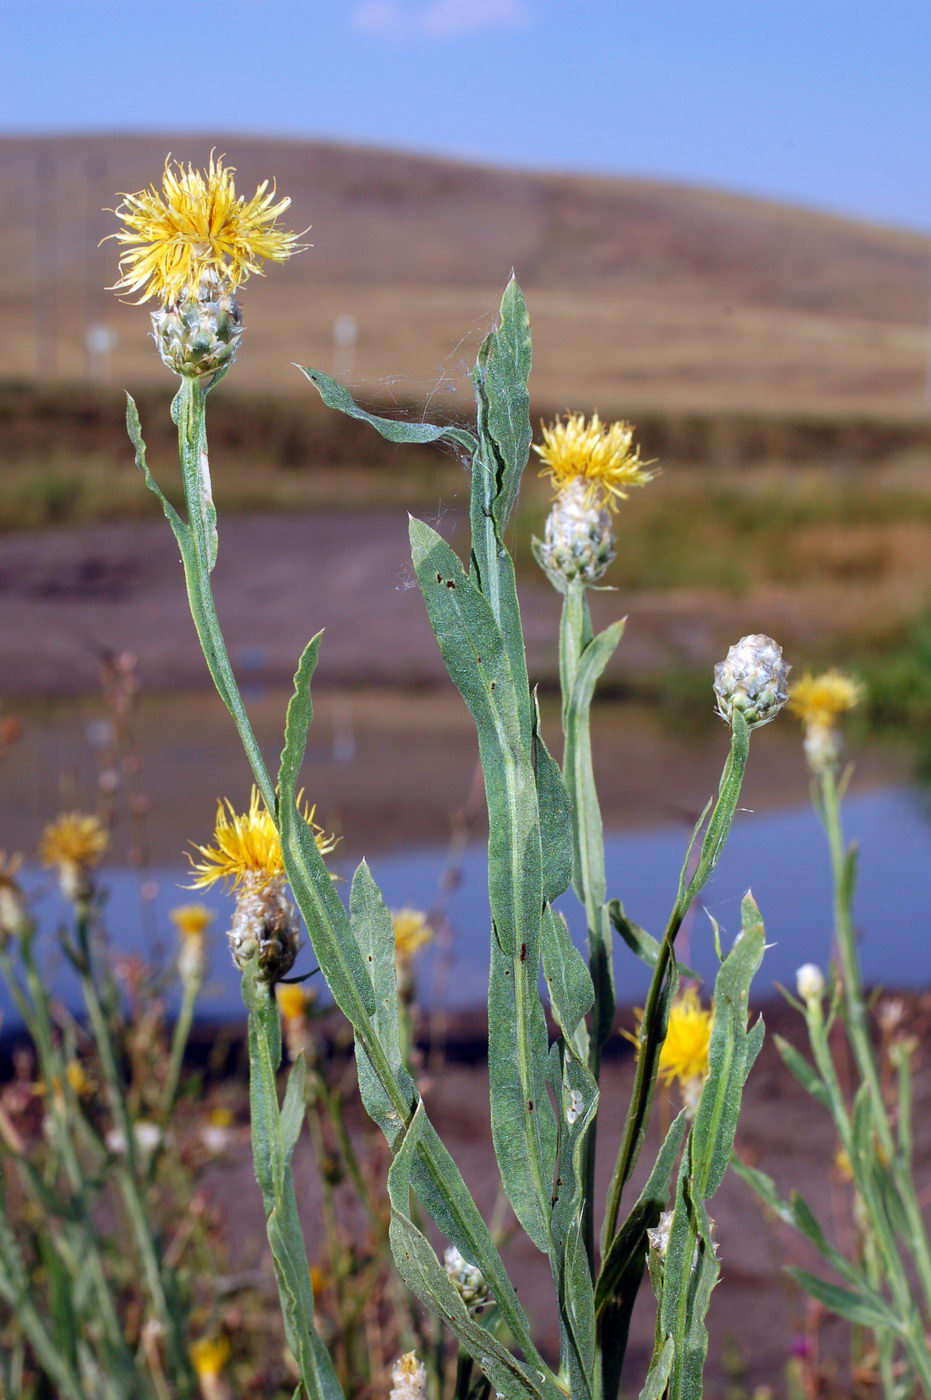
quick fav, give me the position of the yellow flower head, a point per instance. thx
(292, 1000)
(600, 454)
(79, 1079)
(411, 933)
(819, 701)
(73, 840)
(209, 1356)
(247, 844)
(684, 1055)
(198, 224)
(192, 920)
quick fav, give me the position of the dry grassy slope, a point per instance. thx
(641, 293)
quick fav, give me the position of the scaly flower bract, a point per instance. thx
(197, 224)
(601, 455)
(74, 839)
(247, 844)
(821, 700)
(684, 1056)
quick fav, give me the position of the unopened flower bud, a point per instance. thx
(199, 333)
(809, 982)
(264, 924)
(579, 539)
(468, 1279)
(752, 680)
(658, 1237)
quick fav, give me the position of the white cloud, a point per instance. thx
(438, 19)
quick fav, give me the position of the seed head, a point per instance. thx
(12, 899)
(752, 680)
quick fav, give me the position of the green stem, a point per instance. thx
(653, 1024)
(179, 1041)
(588, 862)
(271, 1151)
(858, 1029)
(189, 411)
(129, 1177)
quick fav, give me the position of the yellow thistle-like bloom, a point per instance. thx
(209, 1356)
(821, 700)
(192, 920)
(74, 838)
(247, 846)
(292, 1001)
(412, 932)
(198, 225)
(600, 455)
(684, 1056)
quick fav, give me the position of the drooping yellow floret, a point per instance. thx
(197, 224)
(602, 455)
(412, 932)
(247, 844)
(684, 1056)
(209, 1356)
(820, 700)
(75, 840)
(292, 1000)
(192, 920)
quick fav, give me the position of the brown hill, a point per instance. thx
(643, 294)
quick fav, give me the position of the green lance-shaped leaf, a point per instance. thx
(654, 1387)
(801, 1070)
(864, 1309)
(555, 808)
(576, 1092)
(134, 429)
(274, 1135)
(622, 1269)
(689, 1273)
(504, 435)
(394, 429)
(479, 664)
(587, 829)
(423, 1273)
(390, 1096)
(731, 1053)
(642, 944)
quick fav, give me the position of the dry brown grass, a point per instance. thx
(641, 293)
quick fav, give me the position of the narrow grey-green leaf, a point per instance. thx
(555, 807)
(865, 1309)
(500, 378)
(719, 1107)
(641, 943)
(654, 1387)
(420, 1269)
(394, 429)
(801, 1070)
(293, 1107)
(567, 977)
(134, 428)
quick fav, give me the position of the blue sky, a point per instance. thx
(823, 102)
